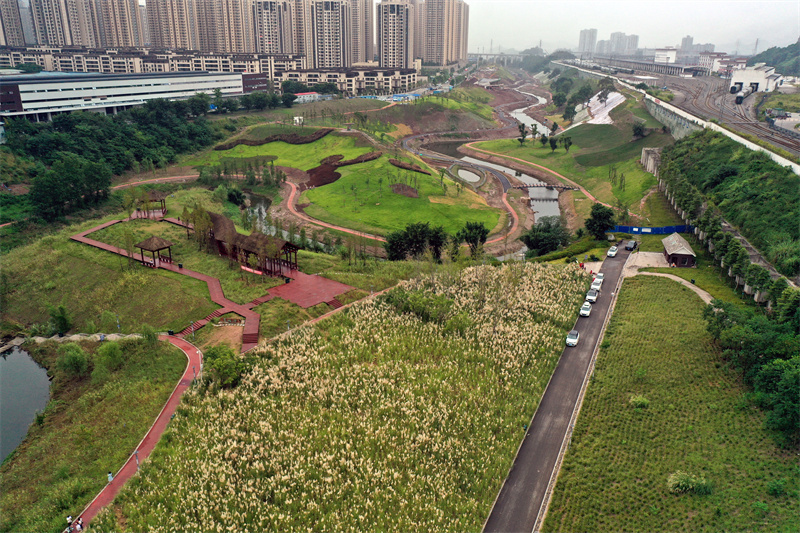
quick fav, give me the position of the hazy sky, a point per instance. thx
(521, 24)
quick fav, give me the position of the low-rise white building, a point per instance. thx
(760, 77)
(355, 82)
(40, 96)
(666, 55)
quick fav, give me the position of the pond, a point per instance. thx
(24, 391)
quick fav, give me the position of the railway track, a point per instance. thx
(709, 101)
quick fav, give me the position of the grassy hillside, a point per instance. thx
(786, 60)
(753, 192)
(363, 199)
(372, 420)
(302, 156)
(90, 427)
(614, 476)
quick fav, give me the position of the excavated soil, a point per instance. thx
(405, 190)
(326, 173)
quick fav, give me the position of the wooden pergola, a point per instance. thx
(155, 197)
(154, 245)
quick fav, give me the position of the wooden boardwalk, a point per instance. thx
(303, 290)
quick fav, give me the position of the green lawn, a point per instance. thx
(589, 163)
(596, 149)
(614, 477)
(302, 156)
(89, 429)
(374, 208)
(55, 270)
(238, 285)
(658, 212)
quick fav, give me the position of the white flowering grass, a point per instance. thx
(371, 421)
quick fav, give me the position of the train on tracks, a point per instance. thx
(742, 92)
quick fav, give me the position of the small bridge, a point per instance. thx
(547, 186)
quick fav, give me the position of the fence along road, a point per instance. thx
(519, 503)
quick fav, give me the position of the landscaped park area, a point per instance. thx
(339, 390)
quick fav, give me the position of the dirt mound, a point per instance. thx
(290, 138)
(405, 190)
(408, 166)
(326, 173)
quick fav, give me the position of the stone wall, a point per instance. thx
(678, 126)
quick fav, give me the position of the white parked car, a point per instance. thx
(596, 284)
(586, 309)
(572, 338)
(612, 252)
(592, 295)
(599, 275)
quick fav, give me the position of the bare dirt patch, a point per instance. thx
(405, 190)
(17, 189)
(230, 335)
(326, 173)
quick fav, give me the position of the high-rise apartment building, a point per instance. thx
(587, 42)
(362, 30)
(146, 41)
(274, 26)
(225, 26)
(10, 24)
(172, 24)
(420, 28)
(66, 23)
(446, 32)
(632, 44)
(331, 33)
(396, 21)
(687, 43)
(119, 22)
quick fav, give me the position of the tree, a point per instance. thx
(395, 246)
(553, 143)
(638, 130)
(600, 221)
(59, 318)
(474, 234)
(559, 99)
(288, 99)
(553, 127)
(569, 113)
(547, 235)
(218, 99)
(72, 360)
(523, 133)
(543, 139)
(567, 143)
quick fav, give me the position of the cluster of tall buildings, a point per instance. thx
(329, 33)
(618, 44)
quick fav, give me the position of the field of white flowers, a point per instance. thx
(372, 420)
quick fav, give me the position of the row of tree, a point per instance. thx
(421, 238)
(708, 176)
(766, 350)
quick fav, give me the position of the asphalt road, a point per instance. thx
(520, 500)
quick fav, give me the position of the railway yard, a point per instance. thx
(710, 98)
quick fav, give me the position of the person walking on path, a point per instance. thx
(110, 477)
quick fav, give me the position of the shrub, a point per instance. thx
(72, 360)
(110, 355)
(640, 402)
(760, 508)
(776, 487)
(224, 365)
(684, 483)
(149, 335)
(101, 373)
(60, 318)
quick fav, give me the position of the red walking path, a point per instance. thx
(148, 443)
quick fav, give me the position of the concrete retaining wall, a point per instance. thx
(679, 126)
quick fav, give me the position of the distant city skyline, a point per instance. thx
(520, 24)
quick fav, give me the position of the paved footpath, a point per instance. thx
(520, 500)
(145, 447)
